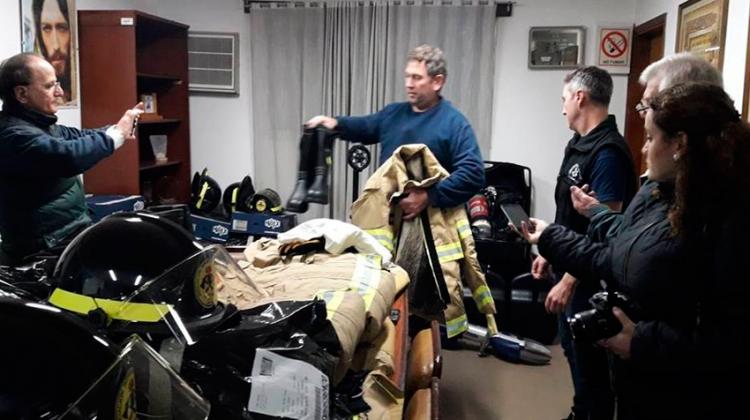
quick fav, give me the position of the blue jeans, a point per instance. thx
(589, 364)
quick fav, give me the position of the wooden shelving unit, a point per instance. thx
(123, 54)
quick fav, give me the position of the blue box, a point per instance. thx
(104, 205)
(262, 224)
(209, 229)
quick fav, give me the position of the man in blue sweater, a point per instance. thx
(42, 203)
(425, 118)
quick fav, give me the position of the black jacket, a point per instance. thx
(577, 165)
(689, 351)
(41, 195)
(646, 262)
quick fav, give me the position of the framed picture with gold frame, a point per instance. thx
(745, 105)
(701, 29)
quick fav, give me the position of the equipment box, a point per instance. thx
(103, 205)
(262, 224)
(209, 229)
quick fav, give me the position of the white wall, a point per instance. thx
(10, 22)
(221, 136)
(736, 38)
(529, 128)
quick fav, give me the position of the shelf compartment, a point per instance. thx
(154, 78)
(163, 121)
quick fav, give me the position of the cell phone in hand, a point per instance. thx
(135, 125)
(516, 214)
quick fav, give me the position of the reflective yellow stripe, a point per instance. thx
(384, 236)
(449, 252)
(276, 209)
(366, 278)
(457, 325)
(234, 198)
(464, 229)
(483, 296)
(373, 261)
(125, 311)
(202, 195)
(333, 301)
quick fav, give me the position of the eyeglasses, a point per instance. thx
(46, 86)
(52, 86)
(641, 107)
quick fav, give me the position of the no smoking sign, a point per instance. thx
(614, 47)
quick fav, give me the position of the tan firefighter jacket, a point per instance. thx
(450, 230)
(358, 292)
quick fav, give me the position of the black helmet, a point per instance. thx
(136, 273)
(205, 193)
(265, 201)
(236, 195)
(57, 367)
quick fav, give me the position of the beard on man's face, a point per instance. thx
(60, 61)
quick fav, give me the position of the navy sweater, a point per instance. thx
(442, 128)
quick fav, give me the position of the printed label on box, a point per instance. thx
(240, 225)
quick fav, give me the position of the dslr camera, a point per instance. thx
(600, 323)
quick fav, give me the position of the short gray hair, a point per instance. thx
(432, 58)
(680, 68)
(592, 80)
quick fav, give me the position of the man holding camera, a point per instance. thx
(42, 203)
(597, 155)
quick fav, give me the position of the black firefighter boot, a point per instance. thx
(307, 155)
(318, 191)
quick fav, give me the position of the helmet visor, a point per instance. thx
(139, 384)
(184, 298)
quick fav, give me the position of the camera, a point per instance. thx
(599, 323)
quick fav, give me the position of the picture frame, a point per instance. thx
(150, 103)
(556, 47)
(746, 93)
(701, 29)
(49, 28)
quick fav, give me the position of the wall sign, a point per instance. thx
(614, 47)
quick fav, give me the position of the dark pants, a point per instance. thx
(589, 365)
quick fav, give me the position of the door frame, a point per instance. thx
(640, 59)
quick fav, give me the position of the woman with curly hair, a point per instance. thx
(680, 255)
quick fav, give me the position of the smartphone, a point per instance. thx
(135, 125)
(516, 214)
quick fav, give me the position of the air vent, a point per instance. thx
(213, 62)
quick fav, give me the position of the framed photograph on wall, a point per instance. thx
(556, 47)
(48, 28)
(701, 29)
(745, 105)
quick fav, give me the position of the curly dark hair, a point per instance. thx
(712, 177)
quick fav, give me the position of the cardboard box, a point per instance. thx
(104, 205)
(209, 229)
(262, 224)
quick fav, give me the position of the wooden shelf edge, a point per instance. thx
(146, 165)
(161, 121)
(151, 77)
